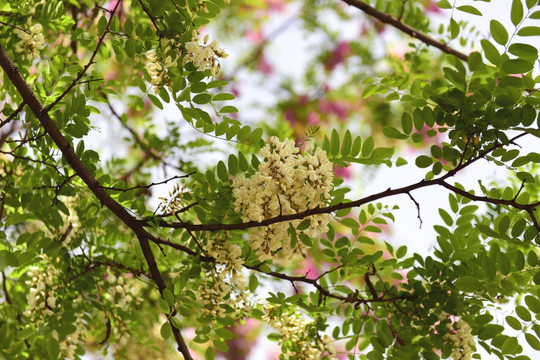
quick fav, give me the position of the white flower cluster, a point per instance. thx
(204, 56)
(464, 344)
(68, 345)
(287, 182)
(157, 68)
(41, 296)
(293, 329)
(122, 293)
(226, 253)
(219, 289)
(31, 43)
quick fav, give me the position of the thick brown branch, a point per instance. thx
(390, 20)
(67, 151)
(344, 205)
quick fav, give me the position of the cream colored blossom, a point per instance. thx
(204, 56)
(31, 43)
(158, 68)
(223, 288)
(294, 332)
(286, 182)
(462, 339)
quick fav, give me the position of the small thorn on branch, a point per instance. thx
(417, 208)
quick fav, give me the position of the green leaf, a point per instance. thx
(304, 224)
(350, 223)
(444, 4)
(423, 161)
(529, 31)
(155, 101)
(244, 132)
(393, 133)
(499, 33)
(227, 109)
(517, 66)
(523, 51)
(490, 52)
(513, 322)
(222, 171)
(53, 349)
(102, 25)
(504, 224)
(446, 217)
(253, 283)
(225, 333)
(475, 61)
(368, 146)
(176, 323)
(223, 97)
(168, 297)
(510, 346)
(401, 251)
(516, 14)
(468, 284)
(202, 99)
(532, 341)
(334, 143)
(469, 9)
(166, 330)
(533, 303)
(454, 28)
(346, 143)
(523, 313)
(209, 354)
(406, 123)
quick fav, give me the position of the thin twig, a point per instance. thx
(13, 114)
(87, 66)
(390, 20)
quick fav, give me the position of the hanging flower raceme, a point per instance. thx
(462, 339)
(204, 56)
(286, 182)
(31, 43)
(157, 69)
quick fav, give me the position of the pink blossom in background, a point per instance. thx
(338, 55)
(276, 5)
(112, 5)
(235, 90)
(290, 117)
(398, 50)
(254, 36)
(303, 99)
(313, 118)
(309, 268)
(433, 8)
(337, 108)
(343, 172)
(264, 66)
(245, 337)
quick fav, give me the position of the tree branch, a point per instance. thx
(67, 151)
(390, 20)
(87, 66)
(344, 205)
